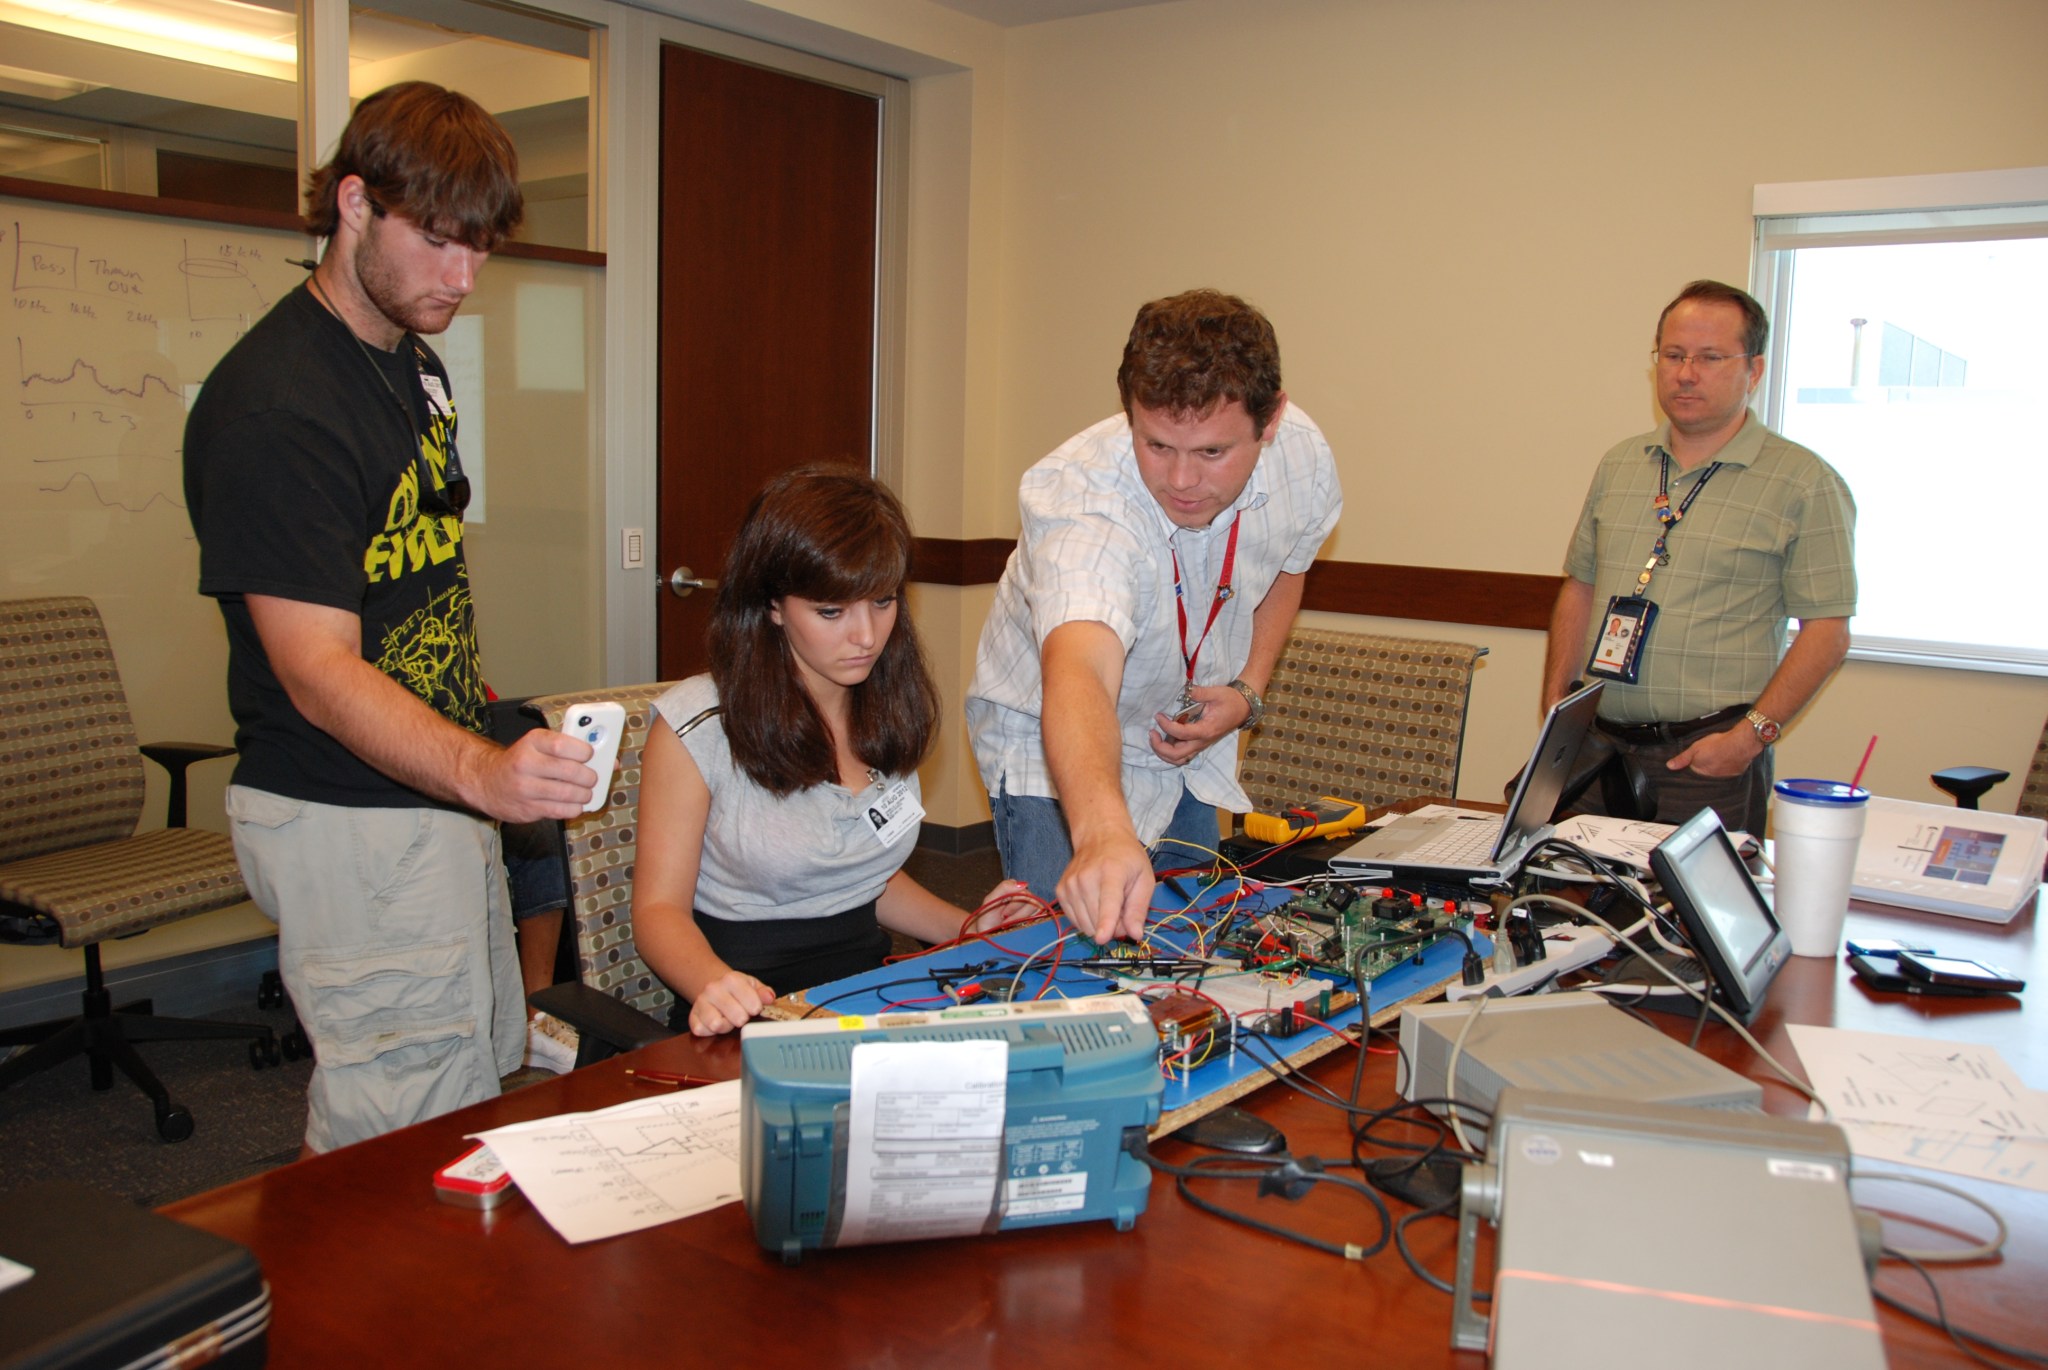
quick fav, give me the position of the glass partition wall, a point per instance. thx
(117, 310)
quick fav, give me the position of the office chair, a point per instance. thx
(1968, 784)
(72, 868)
(616, 1004)
(1366, 718)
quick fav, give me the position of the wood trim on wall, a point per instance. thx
(1494, 599)
(162, 208)
(953, 561)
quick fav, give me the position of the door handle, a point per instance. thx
(683, 580)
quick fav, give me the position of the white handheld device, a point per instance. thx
(600, 725)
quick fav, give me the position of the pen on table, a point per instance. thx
(664, 1077)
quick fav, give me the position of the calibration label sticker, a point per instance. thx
(1801, 1170)
(1037, 1194)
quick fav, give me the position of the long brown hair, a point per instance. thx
(835, 535)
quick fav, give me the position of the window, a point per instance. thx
(1907, 348)
(185, 99)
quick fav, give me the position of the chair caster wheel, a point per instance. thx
(263, 1051)
(295, 1046)
(174, 1124)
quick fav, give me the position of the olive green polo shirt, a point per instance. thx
(1771, 537)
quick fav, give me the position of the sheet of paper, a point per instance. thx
(924, 1139)
(1430, 811)
(620, 1169)
(1628, 840)
(1950, 1106)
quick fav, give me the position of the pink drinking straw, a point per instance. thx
(1858, 781)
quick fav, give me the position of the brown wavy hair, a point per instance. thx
(431, 155)
(1190, 352)
(835, 535)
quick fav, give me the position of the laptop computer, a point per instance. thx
(1482, 848)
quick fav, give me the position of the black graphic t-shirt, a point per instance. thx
(305, 480)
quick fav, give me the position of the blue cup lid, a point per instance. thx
(1821, 791)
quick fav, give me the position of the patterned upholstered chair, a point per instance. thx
(616, 1003)
(1363, 717)
(73, 870)
(2034, 791)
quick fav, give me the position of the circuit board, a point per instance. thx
(1356, 934)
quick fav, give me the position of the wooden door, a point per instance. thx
(768, 271)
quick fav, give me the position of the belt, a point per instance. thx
(1643, 734)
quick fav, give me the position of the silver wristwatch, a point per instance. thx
(1251, 698)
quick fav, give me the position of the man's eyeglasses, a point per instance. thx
(1670, 359)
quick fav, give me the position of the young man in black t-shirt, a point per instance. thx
(323, 480)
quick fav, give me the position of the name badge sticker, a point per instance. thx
(894, 814)
(437, 397)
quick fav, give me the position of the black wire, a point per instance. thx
(1939, 1319)
(1263, 1168)
(1607, 873)
(1446, 1209)
(929, 977)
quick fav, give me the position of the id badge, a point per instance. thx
(437, 396)
(895, 814)
(1624, 632)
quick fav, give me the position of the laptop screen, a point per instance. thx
(1550, 766)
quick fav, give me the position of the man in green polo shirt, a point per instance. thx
(1697, 543)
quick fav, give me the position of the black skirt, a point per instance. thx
(792, 954)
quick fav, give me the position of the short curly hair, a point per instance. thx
(431, 155)
(1190, 352)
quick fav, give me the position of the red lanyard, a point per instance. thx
(1223, 593)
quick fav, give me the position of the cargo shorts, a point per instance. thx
(395, 942)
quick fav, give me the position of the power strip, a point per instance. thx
(1566, 947)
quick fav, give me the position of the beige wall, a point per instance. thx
(1463, 216)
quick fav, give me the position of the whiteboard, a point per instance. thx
(112, 322)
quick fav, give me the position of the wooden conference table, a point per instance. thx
(368, 1268)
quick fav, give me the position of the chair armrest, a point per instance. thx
(1968, 783)
(604, 1025)
(175, 757)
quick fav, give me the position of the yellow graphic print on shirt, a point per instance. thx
(432, 651)
(412, 539)
(433, 654)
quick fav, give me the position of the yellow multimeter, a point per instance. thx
(1326, 817)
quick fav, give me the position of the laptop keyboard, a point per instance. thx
(1468, 843)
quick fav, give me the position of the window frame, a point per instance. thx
(1954, 207)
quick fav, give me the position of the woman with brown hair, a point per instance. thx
(780, 800)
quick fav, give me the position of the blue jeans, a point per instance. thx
(1032, 838)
